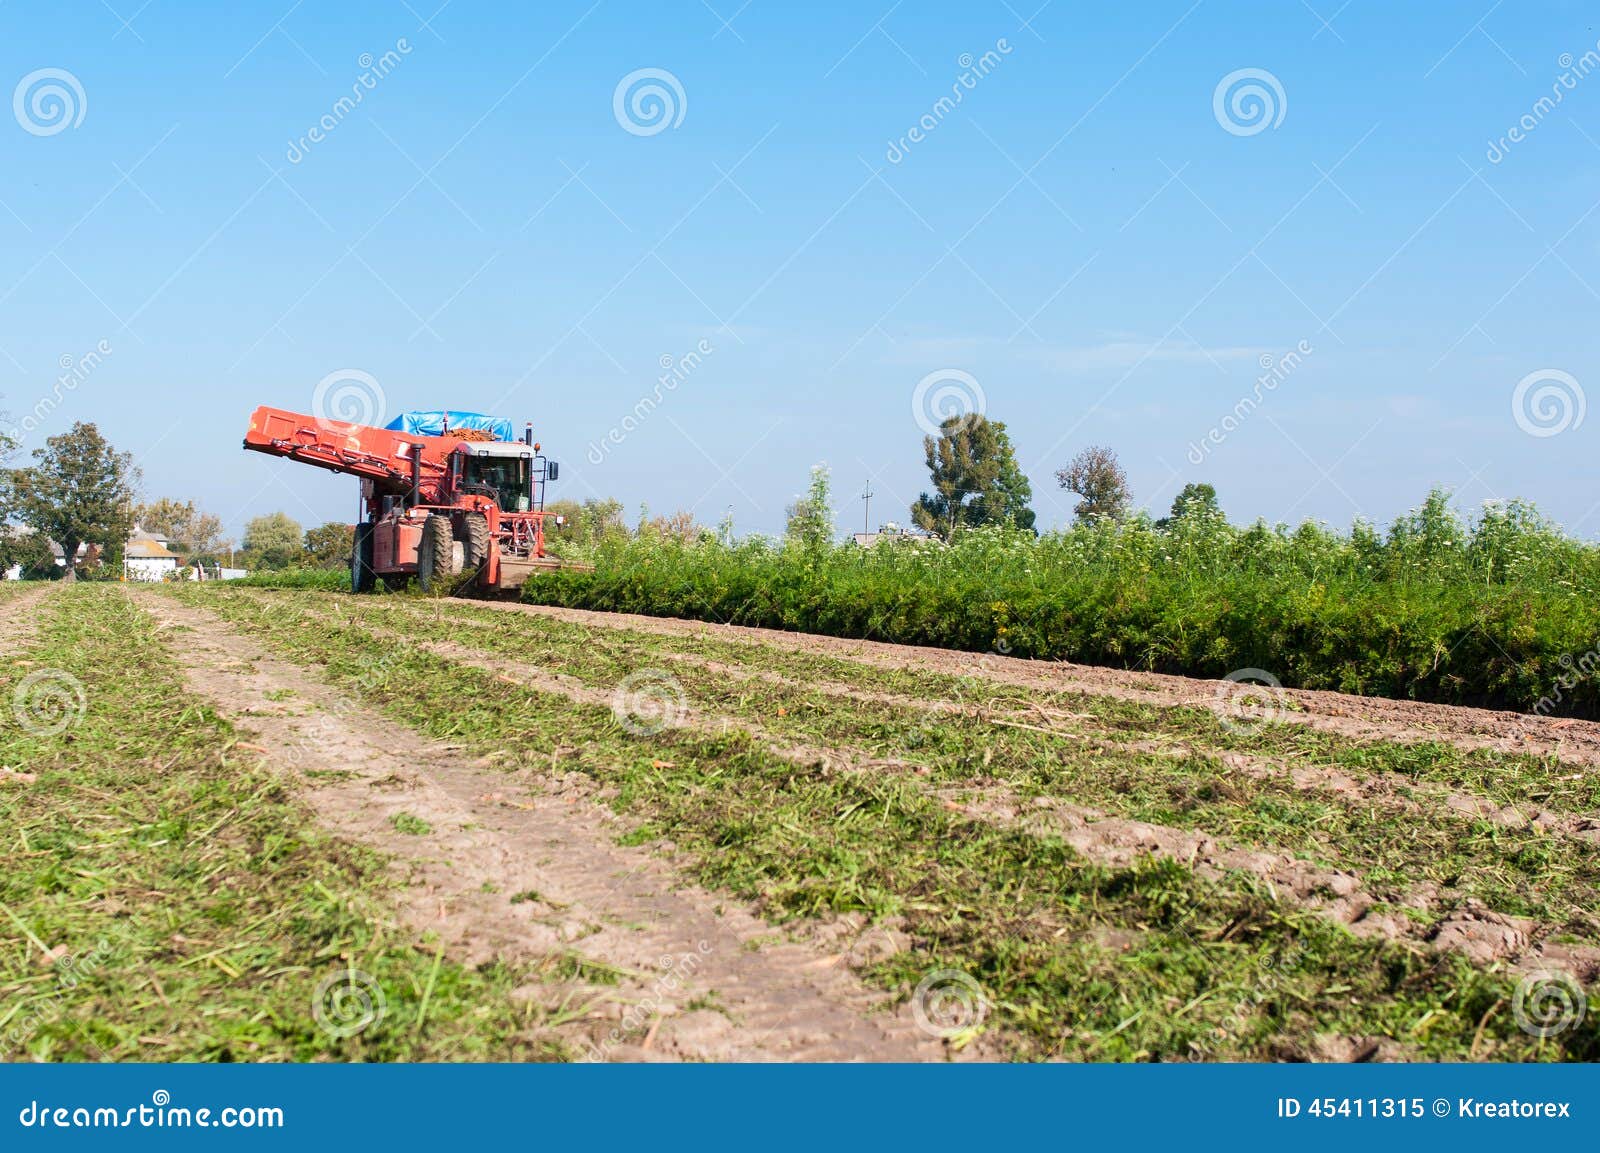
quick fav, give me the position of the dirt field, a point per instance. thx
(582, 835)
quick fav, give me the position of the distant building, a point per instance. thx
(892, 532)
(147, 558)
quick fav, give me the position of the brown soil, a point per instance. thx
(701, 977)
(1365, 718)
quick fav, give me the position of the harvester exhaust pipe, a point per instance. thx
(527, 433)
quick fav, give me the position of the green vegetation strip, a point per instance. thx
(1523, 872)
(1078, 960)
(163, 898)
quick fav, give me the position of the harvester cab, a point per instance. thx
(444, 496)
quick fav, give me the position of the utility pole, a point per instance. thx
(866, 511)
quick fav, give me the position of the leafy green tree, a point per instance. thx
(272, 541)
(189, 531)
(1101, 486)
(328, 545)
(78, 491)
(810, 519)
(1196, 502)
(975, 477)
(584, 524)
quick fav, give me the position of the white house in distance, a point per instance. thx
(146, 557)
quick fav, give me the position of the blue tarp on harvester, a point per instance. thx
(434, 423)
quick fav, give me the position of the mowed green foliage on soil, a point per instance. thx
(166, 898)
(1080, 959)
(1503, 612)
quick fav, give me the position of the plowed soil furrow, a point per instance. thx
(1363, 718)
(1465, 926)
(19, 618)
(702, 978)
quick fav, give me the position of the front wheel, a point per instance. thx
(436, 554)
(361, 574)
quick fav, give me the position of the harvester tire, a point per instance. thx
(361, 574)
(436, 553)
(475, 536)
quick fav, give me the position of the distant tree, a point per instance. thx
(975, 476)
(78, 491)
(584, 524)
(328, 545)
(680, 526)
(188, 530)
(1099, 483)
(272, 541)
(1197, 501)
(809, 520)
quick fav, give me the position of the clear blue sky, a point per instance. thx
(1081, 234)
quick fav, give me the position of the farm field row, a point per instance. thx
(538, 833)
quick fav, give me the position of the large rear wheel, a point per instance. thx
(436, 554)
(476, 543)
(361, 574)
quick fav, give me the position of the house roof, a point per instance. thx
(147, 550)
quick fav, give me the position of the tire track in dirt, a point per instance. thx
(1363, 718)
(19, 618)
(1466, 926)
(583, 894)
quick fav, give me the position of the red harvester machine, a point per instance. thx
(432, 506)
